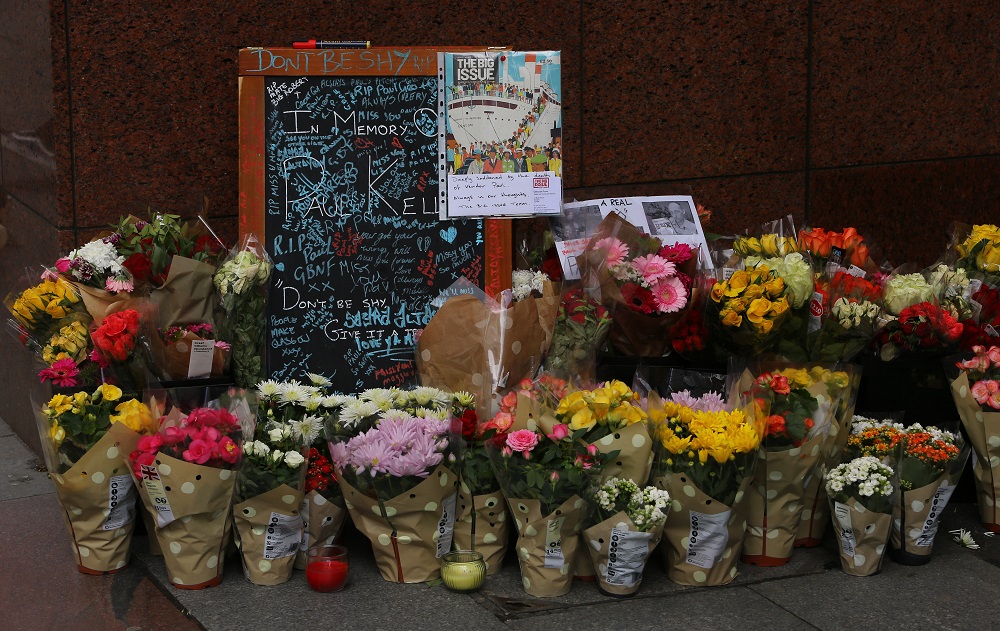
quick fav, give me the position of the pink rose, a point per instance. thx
(63, 265)
(994, 354)
(592, 449)
(523, 440)
(559, 432)
(992, 386)
(502, 421)
(198, 452)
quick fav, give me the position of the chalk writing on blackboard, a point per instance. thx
(352, 222)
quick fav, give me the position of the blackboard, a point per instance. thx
(338, 177)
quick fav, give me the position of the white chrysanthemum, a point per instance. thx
(355, 410)
(423, 395)
(317, 380)
(103, 256)
(268, 389)
(333, 401)
(313, 403)
(394, 415)
(465, 399)
(307, 430)
(293, 392)
(294, 459)
(384, 398)
(430, 413)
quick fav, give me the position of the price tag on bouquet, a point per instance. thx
(446, 525)
(708, 539)
(843, 514)
(121, 502)
(930, 527)
(554, 558)
(157, 496)
(627, 555)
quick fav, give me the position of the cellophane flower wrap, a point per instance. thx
(481, 523)
(645, 282)
(705, 461)
(746, 311)
(796, 271)
(916, 324)
(581, 328)
(931, 461)
(624, 525)
(242, 284)
(975, 388)
(485, 346)
(978, 250)
(306, 408)
(804, 401)
(844, 249)
(190, 351)
(984, 324)
(84, 436)
(270, 490)
(862, 496)
(396, 456)
(544, 477)
(851, 315)
(51, 320)
(186, 474)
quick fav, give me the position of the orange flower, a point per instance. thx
(817, 241)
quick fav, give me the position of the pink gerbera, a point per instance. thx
(654, 268)
(616, 250)
(670, 295)
(62, 373)
(114, 284)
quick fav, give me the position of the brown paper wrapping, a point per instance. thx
(188, 294)
(777, 498)
(84, 492)
(405, 545)
(983, 429)
(465, 342)
(323, 521)
(99, 303)
(492, 536)
(201, 499)
(598, 538)
(677, 532)
(174, 359)
(150, 523)
(912, 513)
(252, 519)
(871, 534)
(531, 414)
(532, 542)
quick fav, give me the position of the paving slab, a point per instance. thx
(22, 473)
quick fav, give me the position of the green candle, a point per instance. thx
(463, 571)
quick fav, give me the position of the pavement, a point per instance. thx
(40, 587)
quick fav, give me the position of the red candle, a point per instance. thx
(326, 575)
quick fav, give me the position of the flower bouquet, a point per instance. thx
(190, 351)
(270, 487)
(545, 478)
(917, 324)
(975, 387)
(307, 407)
(397, 480)
(98, 273)
(83, 436)
(931, 461)
(978, 250)
(797, 273)
(851, 312)
(116, 340)
(646, 284)
(625, 526)
(242, 284)
(580, 329)
(484, 346)
(705, 461)
(186, 476)
(803, 403)
(862, 496)
(746, 311)
(481, 522)
(984, 324)
(835, 249)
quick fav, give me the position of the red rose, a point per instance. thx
(139, 266)
(469, 424)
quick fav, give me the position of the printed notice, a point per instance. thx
(708, 539)
(929, 530)
(121, 502)
(202, 353)
(842, 512)
(504, 195)
(157, 496)
(446, 525)
(284, 534)
(554, 558)
(627, 555)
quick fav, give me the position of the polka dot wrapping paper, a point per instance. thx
(547, 545)
(98, 499)
(983, 430)
(868, 537)
(619, 559)
(323, 520)
(492, 526)
(268, 533)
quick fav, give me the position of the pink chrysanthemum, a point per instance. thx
(670, 295)
(62, 373)
(654, 268)
(617, 251)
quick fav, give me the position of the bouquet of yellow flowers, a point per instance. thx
(978, 250)
(747, 310)
(705, 460)
(84, 436)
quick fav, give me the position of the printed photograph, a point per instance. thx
(673, 217)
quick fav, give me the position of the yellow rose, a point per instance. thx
(731, 318)
(619, 390)
(718, 291)
(108, 392)
(764, 326)
(758, 309)
(988, 258)
(133, 414)
(753, 291)
(738, 305)
(775, 286)
(737, 283)
(778, 307)
(798, 377)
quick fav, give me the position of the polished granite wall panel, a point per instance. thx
(904, 80)
(906, 209)
(675, 90)
(153, 107)
(26, 113)
(32, 243)
(545, 24)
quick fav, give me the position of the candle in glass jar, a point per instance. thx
(463, 571)
(326, 575)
